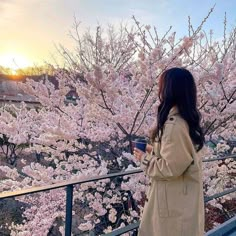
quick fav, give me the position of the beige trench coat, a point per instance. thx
(174, 205)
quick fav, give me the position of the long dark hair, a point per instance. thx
(177, 88)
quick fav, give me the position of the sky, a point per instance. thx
(30, 29)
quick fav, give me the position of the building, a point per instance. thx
(11, 93)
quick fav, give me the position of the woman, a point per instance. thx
(174, 204)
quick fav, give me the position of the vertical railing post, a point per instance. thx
(69, 204)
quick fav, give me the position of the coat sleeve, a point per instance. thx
(175, 154)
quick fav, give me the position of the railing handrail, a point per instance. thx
(218, 195)
(219, 158)
(66, 183)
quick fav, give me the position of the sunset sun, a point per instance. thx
(14, 61)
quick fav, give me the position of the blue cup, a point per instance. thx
(141, 144)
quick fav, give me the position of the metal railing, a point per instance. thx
(69, 195)
(69, 192)
(220, 158)
(227, 228)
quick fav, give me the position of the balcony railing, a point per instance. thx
(69, 195)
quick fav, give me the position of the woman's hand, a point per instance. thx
(149, 148)
(138, 154)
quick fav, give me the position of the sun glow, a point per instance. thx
(14, 61)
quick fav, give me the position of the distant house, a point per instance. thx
(71, 97)
(11, 93)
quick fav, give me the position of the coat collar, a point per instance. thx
(173, 111)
